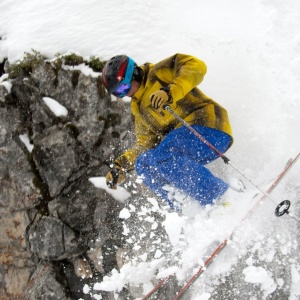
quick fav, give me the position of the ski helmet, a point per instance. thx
(117, 75)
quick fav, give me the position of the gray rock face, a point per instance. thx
(17, 188)
(51, 239)
(47, 284)
(55, 157)
(56, 227)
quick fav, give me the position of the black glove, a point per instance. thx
(115, 176)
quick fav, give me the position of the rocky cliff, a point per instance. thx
(58, 232)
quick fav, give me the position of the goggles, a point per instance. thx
(122, 89)
(125, 77)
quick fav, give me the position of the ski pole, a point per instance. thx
(225, 158)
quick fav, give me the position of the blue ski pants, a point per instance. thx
(179, 161)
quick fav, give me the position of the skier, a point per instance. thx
(165, 152)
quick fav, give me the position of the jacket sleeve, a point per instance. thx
(145, 140)
(188, 72)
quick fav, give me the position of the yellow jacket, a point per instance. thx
(182, 73)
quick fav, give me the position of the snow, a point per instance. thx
(135, 273)
(86, 70)
(120, 194)
(25, 140)
(5, 83)
(252, 52)
(86, 289)
(260, 275)
(173, 225)
(124, 213)
(295, 288)
(58, 109)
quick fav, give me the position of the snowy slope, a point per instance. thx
(252, 53)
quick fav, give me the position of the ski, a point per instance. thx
(223, 244)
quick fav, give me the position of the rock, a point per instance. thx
(56, 158)
(82, 268)
(44, 75)
(46, 283)
(15, 259)
(18, 190)
(55, 224)
(13, 229)
(16, 176)
(3, 94)
(16, 280)
(95, 255)
(10, 123)
(51, 239)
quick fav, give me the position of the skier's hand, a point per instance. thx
(159, 99)
(115, 176)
